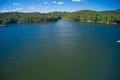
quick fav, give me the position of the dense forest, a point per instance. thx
(107, 17)
(16, 17)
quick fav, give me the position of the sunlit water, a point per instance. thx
(60, 51)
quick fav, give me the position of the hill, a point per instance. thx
(106, 17)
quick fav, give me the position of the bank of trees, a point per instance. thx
(16, 17)
(107, 17)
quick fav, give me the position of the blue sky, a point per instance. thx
(57, 5)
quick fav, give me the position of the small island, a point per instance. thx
(106, 17)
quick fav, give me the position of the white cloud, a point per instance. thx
(13, 10)
(39, 6)
(31, 7)
(19, 9)
(60, 2)
(77, 0)
(45, 2)
(54, 2)
(4, 10)
(16, 4)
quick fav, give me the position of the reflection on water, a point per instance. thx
(59, 51)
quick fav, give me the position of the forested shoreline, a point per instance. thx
(106, 17)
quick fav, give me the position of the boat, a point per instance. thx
(118, 41)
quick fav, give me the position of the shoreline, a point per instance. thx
(68, 21)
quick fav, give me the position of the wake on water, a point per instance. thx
(118, 41)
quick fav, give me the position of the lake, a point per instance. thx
(60, 50)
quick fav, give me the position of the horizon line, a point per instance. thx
(61, 11)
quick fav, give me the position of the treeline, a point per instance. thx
(107, 17)
(16, 17)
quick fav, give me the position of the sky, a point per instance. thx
(45, 6)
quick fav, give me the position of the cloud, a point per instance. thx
(16, 4)
(39, 6)
(77, 0)
(18, 9)
(4, 10)
(60, 2)
(13, 10)
(45, 2)
(31, 7)
(54, 2)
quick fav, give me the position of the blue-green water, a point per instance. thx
(60, 51)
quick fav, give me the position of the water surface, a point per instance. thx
(60, 51)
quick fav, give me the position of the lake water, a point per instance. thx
(60, 51)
